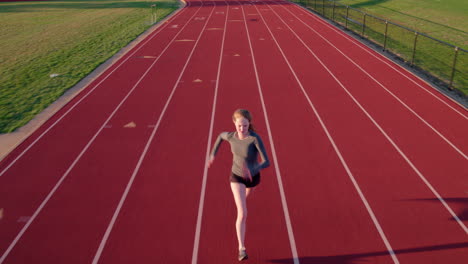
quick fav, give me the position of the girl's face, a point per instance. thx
(242, 126)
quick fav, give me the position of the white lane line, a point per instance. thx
(403, 155)
(287, 218)
(196, 243)
(389, 63)
(385, 88)
(338, 152)
(90, 91)
(143, 154)
(57, 185)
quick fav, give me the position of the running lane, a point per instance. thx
(87, 197)
(444, 165)
(31, 171)
(158, 218)
(414, 221)
(321, 196)
(266, 235)
(444, 113)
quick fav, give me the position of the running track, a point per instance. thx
(369, 163)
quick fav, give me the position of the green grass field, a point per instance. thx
(446, 20)
(69, 38)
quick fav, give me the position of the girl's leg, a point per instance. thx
(239, 192)
(248, 192)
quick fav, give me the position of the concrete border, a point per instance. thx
(10, 141)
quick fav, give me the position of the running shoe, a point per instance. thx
(243, 255)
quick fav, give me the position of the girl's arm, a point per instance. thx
(219, 140)
(246, 172)
(263, 155)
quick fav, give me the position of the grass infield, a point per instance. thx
(66, 38)
(446, 20)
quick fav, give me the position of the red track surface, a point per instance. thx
(369, 162)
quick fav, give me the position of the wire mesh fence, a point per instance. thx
(442, 60)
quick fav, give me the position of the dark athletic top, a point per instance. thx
(244, 151)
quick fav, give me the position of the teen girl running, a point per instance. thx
(245, 174)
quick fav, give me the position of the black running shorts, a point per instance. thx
(249, 184)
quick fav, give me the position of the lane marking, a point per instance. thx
(386, 89)
(397, 148)
(185, 40)
(153, 34)
(64, 176)
(147, 146)
(146, 57)
(386, 61)
(130, 125)
(196, 242)
(23, 219)
(292, 241)
(197, 81)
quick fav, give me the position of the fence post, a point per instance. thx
(334, 5)
(323, 8)
(315, 5)
(414, 47)
(154, 17)
(453, 68)
(347, 13)
(385, 38)
(364, 24)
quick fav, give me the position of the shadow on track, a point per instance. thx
(360, 258)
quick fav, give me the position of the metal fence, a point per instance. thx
(442, 60)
